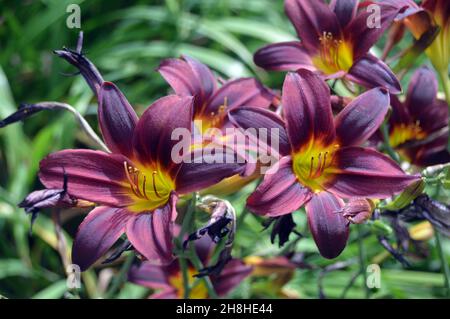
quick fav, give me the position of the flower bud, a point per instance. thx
(358, 210)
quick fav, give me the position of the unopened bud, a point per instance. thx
(358, 210)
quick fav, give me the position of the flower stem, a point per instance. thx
(445, 81)
(443, 75)
(185, 276)
(121, 277)
(362, 260)
(183, 259)
(81, 120)
(392, 153)
(445, 268)
(199, 265)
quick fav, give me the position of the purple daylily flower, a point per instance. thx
(419, 125)
(335, 40)
(189, 77)
(324, 163)
(136, 185)
(169, 281)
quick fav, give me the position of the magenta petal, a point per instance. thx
(279, 193)
(345, 10)
(206, 168)
(364, 37)
(189, 77)
(153, 135)
(117, 119)
(328, 227)
(310, 20)
(283, 56)
(258, 119)
(307, 109)
(363, 172)
(101, 228)
(422, 92)
(151, 233)
(91, 175)
(236, 93)
(169, 293)
(370, 72)
(231, 276)
(362, 117)
(149, 275)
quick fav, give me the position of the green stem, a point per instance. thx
(446, 85)
(121, 277)
(362, 260)
(445, 268)
(185, 275)
(445, 80)
(350, 284)
(199, 265)
(183, 259)
(392, 153)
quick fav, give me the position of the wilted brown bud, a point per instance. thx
(358, 210)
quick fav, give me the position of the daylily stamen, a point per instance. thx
(154, 184)
(132, 183)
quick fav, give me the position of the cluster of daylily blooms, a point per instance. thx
(328, 160)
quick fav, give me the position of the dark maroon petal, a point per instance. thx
(422, 92)
(258, 119)
(307, 109)
(151, 233)
(364, 37)
(432, 153)
(283, 56)
(362, 117)
(101, 228)
(208, 82)
(279, 193)
(345, 10)
(153, 135)
(149, 275)
(311, 20)
(423, 157)
(370, 72)
(231, 276)
(434, 116)
(203, 168)
(189, 77)
(236, 93)
(117, 119)
(363, 172)
(328, 227)
(91, 175)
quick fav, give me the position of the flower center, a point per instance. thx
(334, 54)
(203, 122)
(406, 132)
(198, 291)
(310, 165)
(150, 187)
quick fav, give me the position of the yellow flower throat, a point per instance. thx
(334, 54)
(312, 164)
(150, 187)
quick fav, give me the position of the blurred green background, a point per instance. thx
(127, 40)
